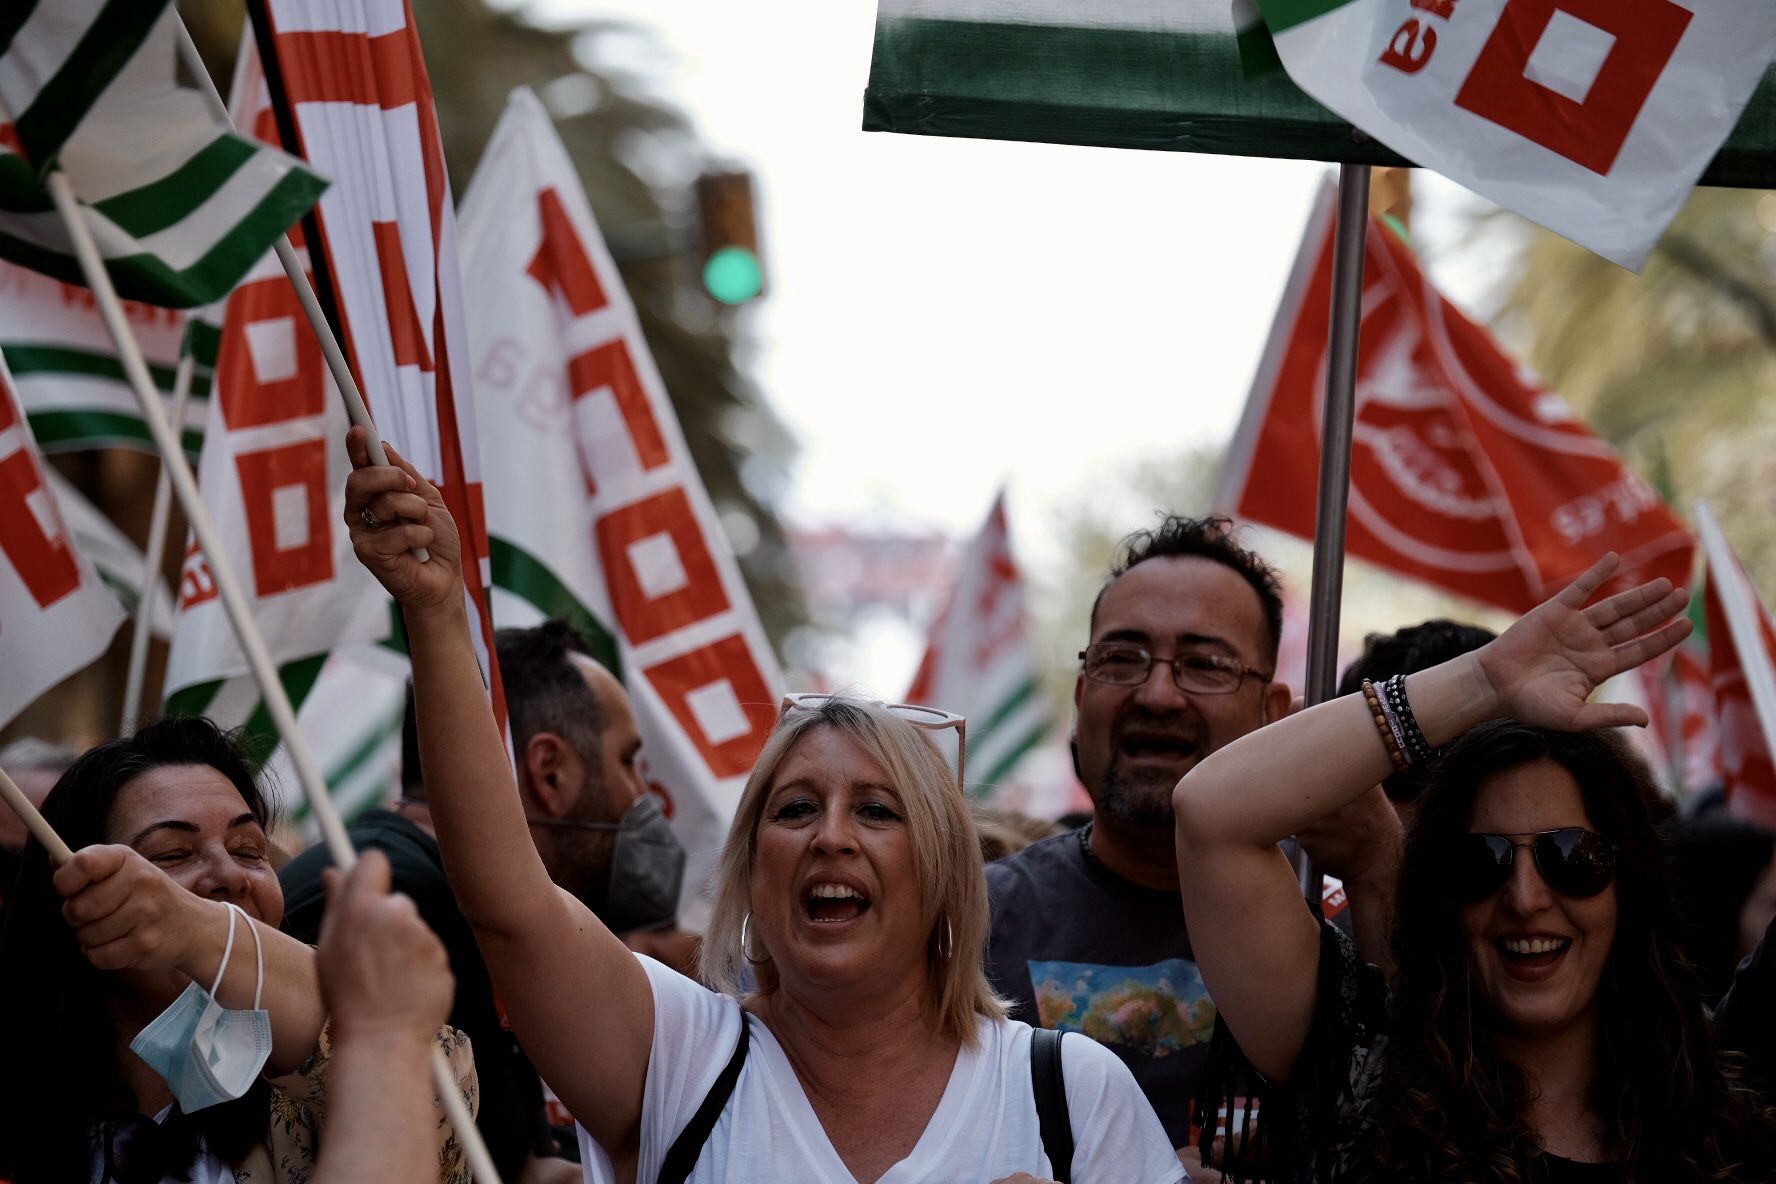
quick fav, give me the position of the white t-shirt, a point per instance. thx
(984, 1128)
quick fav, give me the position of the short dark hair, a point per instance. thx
(1407, 651)
(1214, 538)
(544, 693)
(56, 1001)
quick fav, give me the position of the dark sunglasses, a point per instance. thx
(1574, 862)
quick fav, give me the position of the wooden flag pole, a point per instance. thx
(133, 705)
(34, 821)
(343, 378)
(277, 700)
(1350, 243)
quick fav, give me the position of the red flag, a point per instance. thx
(349, 86)
(1466, 472)
(1742, 650)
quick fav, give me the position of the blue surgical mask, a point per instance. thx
(209, 1053)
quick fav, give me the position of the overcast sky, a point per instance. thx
(946, 315)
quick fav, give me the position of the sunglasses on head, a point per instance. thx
(1572, 861)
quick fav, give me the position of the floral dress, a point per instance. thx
(299, 1115)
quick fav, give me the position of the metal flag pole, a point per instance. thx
(1350, 238)
(133, 687)
(343, 378)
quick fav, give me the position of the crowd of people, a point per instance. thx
(1532, 966)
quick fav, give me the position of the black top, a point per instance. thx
(1328, 1110)
(1075, 946)
(512, 1117)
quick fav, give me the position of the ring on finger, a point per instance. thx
(370, 518)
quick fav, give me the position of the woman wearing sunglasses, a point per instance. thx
(1542, 1024)
(850, 1034)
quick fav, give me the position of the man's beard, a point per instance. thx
(1134, 805)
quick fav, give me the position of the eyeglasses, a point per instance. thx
(1574, 862)
(1120, 664)
(929, 718)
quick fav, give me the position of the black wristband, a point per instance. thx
(1416, 744)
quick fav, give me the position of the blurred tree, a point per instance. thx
(1675, 366)
(638, 159)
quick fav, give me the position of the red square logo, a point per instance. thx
(1590, 130)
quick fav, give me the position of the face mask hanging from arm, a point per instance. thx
(209, 1053)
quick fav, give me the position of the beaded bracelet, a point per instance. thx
(1417, 747)
(1389, 738)
(1387, 710)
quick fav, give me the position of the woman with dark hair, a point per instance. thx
(144, 983)
(1542, 1024)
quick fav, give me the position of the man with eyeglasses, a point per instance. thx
(1088, 927)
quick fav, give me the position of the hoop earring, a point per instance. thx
(947, 946)
(744, 953)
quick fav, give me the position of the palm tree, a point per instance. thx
(1676, 366)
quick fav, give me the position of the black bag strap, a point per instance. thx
(688, 1147)
(1050, 1084)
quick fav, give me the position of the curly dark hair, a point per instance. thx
(1672, 1107)
(65, 1084)
(1214, 538)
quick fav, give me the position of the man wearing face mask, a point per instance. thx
(600, 833)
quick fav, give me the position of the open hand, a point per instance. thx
(382, 971)
(409, 512)
(128, 914)
(1543, 669)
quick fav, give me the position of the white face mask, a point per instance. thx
(209, 1053)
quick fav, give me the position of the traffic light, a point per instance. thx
(732, 272)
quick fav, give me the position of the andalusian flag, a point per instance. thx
(180, 208)
(65, 365)
(982, 662)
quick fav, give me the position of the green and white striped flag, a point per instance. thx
(981, 661)
(1169, 75)
(66, 369)
(180, 209)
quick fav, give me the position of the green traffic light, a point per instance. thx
(732, 275)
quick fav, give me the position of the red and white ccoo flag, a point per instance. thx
(599, 515)
(55, 615)
(349, 86)
(981, 659)
(273, 479)
(1742, 650)
(1466, 472)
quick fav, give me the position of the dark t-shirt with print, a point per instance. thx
(1077, 947)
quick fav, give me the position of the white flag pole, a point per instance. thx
(143, 627)
(343, 378)
(1740, 605)
(34, 821)
(277, 700)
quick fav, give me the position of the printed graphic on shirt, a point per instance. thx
(1156, 1010)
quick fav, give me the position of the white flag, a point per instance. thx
(1594, 118)
(598, 514)
(273, 479)
(55, 615)
(65, 365)
(981, 660)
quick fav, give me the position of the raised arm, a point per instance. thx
(578, 999)
(1235, 806)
